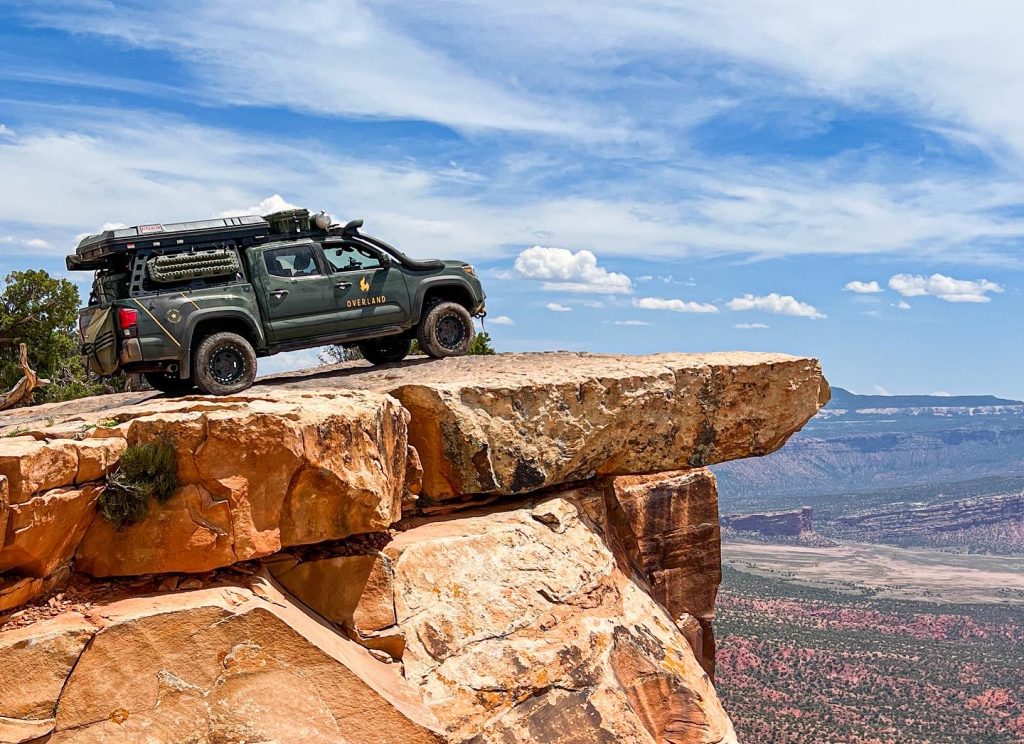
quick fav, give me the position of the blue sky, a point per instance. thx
(835, 179)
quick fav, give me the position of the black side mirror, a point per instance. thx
(385, 261)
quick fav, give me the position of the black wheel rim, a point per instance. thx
(227, 365)
(451, 332)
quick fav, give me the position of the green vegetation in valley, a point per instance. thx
(798, 663)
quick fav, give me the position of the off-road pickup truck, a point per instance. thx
(193, 304)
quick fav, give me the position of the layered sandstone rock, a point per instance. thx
(529, 421)
(519, 626)
(471, 550)
(257, 474)
(791, 523)
(673, 520)
(235, 663)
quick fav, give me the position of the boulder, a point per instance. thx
(18, 590)
(97, 457)
(232, 663)
(36, 661)
(31, 466)
(520, 422)
(257, 475)
(43, 532)
(519, 626)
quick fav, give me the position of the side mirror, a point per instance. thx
(385, 261)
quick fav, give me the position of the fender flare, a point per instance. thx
(199, 316)
(426, 285)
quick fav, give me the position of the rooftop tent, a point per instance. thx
(94, 250)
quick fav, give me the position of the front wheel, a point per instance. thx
(385, 350)
(446, 330)
(224, 364)
(168, 382)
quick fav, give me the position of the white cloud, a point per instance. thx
(902, 305)
(863, 287)
(343, 57)
(273, 203)
(879, 390)
(6, 131)
(953, 70)
(632, 323)
(941, 394)
(501, 320)
(563, 270)
(750, 326)
(777, 304)
(944, 287)
(38, 243)
(556, 308)
(679, 306)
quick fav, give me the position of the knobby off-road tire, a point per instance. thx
(167, 382)
(385, 350)
(224, 364)
(446, 330)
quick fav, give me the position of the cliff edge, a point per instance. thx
(517, 548)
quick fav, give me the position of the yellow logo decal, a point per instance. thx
(364, 285)
(366, 301)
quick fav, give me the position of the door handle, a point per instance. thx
(279, 294)
(342, 285)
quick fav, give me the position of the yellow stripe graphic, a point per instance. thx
(153, 317)
(190, 300)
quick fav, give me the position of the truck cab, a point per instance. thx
(196, 304)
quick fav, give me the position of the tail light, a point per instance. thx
(127, 319)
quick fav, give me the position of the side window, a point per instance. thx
(290, 262)
(352, 258)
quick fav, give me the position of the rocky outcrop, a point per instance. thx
(475, 550)
(949, 516)
(222, 664)
(792, 523)
(507, 427)
(518, 625)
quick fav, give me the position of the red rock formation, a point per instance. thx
(578, 611)
(790, 523)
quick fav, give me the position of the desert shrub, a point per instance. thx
(146, 471)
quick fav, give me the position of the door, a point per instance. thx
(297, 294)
(370, 289)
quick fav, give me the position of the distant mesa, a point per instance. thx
(772, 524)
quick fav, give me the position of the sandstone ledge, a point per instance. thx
(516, 423)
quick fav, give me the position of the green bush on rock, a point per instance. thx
(146, 471)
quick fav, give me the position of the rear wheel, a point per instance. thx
(168, 382)
(385, 350)
(224, 364)
(446, 330)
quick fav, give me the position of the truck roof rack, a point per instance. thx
(94, 251)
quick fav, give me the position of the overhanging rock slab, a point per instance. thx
(515, 423)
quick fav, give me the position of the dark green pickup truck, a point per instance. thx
(194, 304)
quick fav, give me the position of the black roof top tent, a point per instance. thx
(93, 251)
